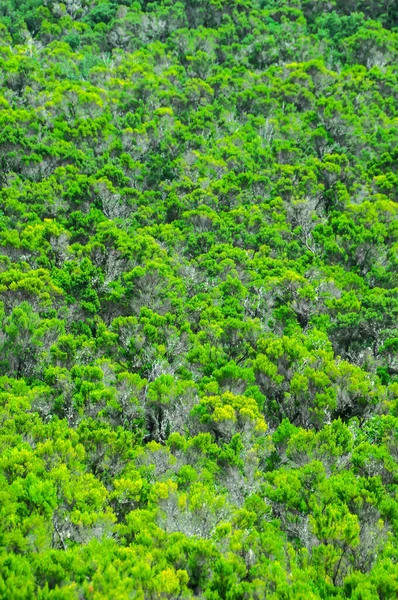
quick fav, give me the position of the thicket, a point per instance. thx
(198, 282)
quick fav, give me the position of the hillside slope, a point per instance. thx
(199, 299)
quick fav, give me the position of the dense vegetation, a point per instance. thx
(199, 299)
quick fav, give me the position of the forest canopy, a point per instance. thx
(198, 299)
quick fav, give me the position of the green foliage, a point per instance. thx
(198, 299)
